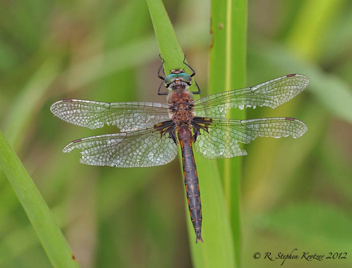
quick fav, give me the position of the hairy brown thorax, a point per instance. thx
(181, 106)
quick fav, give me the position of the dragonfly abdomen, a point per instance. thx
(191, 180)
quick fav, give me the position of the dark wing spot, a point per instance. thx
(290, 118)
(291, 75)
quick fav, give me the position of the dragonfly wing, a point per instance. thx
(127, 116)
(140, 148)
(271, 94)
(223, 136)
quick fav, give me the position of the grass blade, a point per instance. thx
(169, 46)
(217, 250)
(37, 210)
(227, 72)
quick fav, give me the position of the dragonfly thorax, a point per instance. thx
(179, 98)
(181, 106)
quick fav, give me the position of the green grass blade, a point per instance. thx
(227, 72)
(37, 210)
(169, 46)
(217, 249)
(21, 114)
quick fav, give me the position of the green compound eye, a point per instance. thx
(185, 77)
(170, 78)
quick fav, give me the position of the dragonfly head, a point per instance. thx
(178, 79)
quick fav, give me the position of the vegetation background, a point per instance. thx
(295, 193)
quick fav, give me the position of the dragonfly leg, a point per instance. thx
(184, 62)
(172, 135)
(198, 91)
(193, 74)
(159, 92)
(161, 66)
(161, 77)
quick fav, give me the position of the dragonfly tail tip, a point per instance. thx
(199, 238)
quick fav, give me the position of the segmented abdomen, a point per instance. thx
(191, 180)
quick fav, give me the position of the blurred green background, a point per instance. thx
(295, 193)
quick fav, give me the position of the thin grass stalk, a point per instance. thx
(39, 214)
(228, 72)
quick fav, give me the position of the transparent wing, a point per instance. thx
(271, 94)
(223, 136)
(127, 116)
(140, 148)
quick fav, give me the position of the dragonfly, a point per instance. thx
(151, 132)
